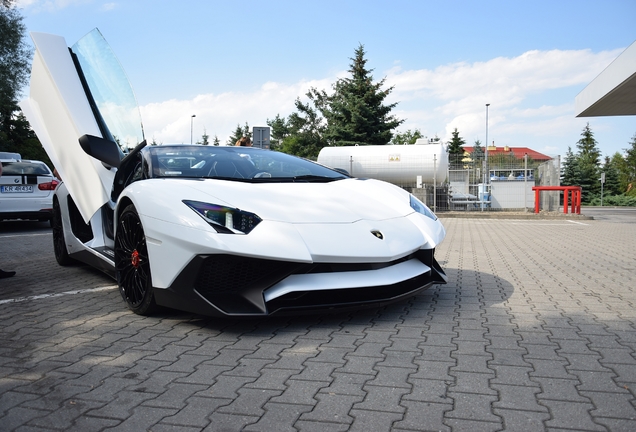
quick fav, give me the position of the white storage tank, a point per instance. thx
(403, 165)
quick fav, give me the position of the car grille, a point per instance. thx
(223, 274)
(235, 284)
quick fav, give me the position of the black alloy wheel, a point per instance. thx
(59, 243)
(132, 266)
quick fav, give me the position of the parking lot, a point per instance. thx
(536, 330)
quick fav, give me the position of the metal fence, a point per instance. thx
(504, 183)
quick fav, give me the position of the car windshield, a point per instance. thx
(22, 168)
(235, 163)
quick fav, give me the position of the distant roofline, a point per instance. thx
(516, 151)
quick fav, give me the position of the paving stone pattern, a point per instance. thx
(535, 331)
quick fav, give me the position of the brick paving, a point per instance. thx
(536, 330)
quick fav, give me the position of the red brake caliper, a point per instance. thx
(134, 259)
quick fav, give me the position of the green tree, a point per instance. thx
(15, 55)
(621, 166)
(408, 137)
(216, 141)
(23, 140)
(570, 175)
(455, 145)
(306, 132)
(355, 113)
(476, 163)
(280, 130)
(478, 152)
(588, 163)
(205, 138)
(628, 173)
(612, 184)
(239, 132)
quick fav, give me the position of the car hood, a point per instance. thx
(304, 222)
(342, 201)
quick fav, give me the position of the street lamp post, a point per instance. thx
(486, 173)
(191, 121)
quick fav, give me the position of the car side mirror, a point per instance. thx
(104, 150)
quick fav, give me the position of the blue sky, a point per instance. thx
(236, 62)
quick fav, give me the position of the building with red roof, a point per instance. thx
(517, 152)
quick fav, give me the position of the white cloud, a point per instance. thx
(169, 121)
(525, 93)
(544, 110)
(528, 106)
(502, 77)
(49, 5)
(106, 7)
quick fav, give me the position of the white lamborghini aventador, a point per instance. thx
(210, 229)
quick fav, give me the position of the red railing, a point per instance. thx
(575, 201)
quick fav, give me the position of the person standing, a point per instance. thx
(5, 274)
(243, 142)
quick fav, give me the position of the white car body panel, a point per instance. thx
(73, 244)
(10, 204)
(60, 114)
(347, 201)
(344, 280)
(303, 238)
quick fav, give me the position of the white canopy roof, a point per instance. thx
(613, 92)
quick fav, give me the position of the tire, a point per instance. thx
(132, 266)
(59, 242)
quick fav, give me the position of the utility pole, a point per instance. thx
(602, 183)
(191, 121)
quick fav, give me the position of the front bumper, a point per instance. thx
(229, 285)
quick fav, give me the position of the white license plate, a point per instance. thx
(17, 189)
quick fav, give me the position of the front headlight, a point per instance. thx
(421, 208)
(225, 220)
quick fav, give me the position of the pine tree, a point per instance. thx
(629, 172)
(612, 183)
(239, 132)
(478, 152)
(455, 145)
(588, 159)
(216, 141)
(306, 132)
(570, 175)
(280, 130)
(22, 139)
(204, 138)
(355, 112)
(477, 158)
